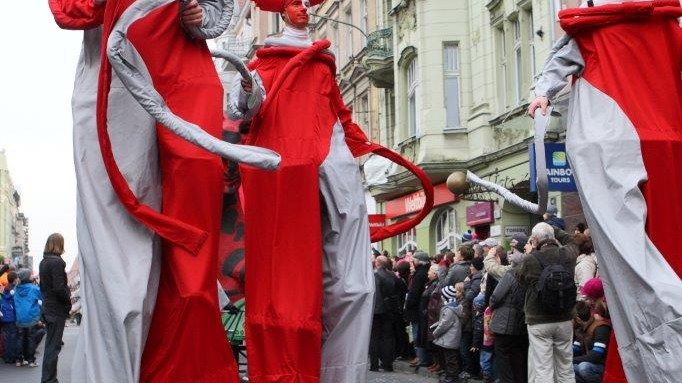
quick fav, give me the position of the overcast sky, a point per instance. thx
(37, 67)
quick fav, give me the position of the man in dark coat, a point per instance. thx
(389, 289)
(550, 334)
(56, 303)
(414, 292)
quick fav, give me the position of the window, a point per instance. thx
(446, 230)
(518, 62)
(412, 110)
(531, 35)
(407, 241)
(349, 34)
(451, 85)
(364, 23)
(335, 41)
(501, 66)
(276, 23)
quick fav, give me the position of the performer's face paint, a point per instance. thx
(296, 14)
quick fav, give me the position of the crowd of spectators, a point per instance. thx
(480, 310)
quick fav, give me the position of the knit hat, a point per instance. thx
(448, 293)
(24, 275)
(593, 289)
(421, 256)
(521, 240)
(477, 263)
(479, 302)
(279, 5)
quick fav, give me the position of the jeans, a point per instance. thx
(53, 345)
(586, 372)
(487, 363)
(25, 347)
(9, 331)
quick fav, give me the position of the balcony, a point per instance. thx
(378, 59)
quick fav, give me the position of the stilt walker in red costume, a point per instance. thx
(186, 340)
(624, 142)
(309, 282)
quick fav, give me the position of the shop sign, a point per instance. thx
(510, 230)
(480, 213)
(377, 221)
(413, 202)
(559, 172)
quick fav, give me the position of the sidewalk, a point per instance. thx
(404, 366)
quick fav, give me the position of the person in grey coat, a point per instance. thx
(447, 332)
(508, 324)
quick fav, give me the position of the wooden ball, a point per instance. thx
(457, 182)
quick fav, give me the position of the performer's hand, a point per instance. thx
(246, 85)
(192, 14)
(540, 101)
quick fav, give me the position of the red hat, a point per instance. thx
(278, 5)
(593, 289)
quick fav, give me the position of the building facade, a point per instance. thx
(13, 223)
(446, 84)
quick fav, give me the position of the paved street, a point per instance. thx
(12, 374)
(9, 373)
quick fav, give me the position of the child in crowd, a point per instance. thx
(27, 301)
(447, 331)
(8, 318)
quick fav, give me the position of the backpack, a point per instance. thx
(556, 287)
(7, 308)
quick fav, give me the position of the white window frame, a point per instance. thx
(364, 21)
(518, 61)
(502, 50)
(407, 240)
(446, 230)
(453, 117)
(412, 105)
(348, 16)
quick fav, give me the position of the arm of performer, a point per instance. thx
(198, 16)
(565, 61)
(243, 102)
(77, 14)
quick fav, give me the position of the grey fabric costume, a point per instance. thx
(119, 258)
(604, 149)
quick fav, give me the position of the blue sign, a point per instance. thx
(559, 172)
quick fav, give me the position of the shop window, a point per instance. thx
(407, 241)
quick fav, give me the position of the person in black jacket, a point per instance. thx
(414, 292)
(56, 303)
(387, 308)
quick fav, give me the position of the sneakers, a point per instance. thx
(33, 364)
(18, 363)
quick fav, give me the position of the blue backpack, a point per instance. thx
(7, 308)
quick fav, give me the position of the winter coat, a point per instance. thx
(528, 273)
(447, 331)
(585, 269)
(424, 334)
(389, 288)
(474, 287)
(507, 304)
(27, 304)
(54, 287)
(414, 293)
(493, 267)
(458, 272)
(7, 306)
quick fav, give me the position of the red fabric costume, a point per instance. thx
(186, 342)
(633, 54)
(283, 210)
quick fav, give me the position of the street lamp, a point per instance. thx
(340, 22)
